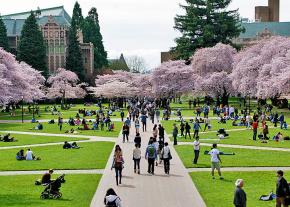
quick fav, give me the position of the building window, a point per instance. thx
(50, 34)
(86, 60)
(61, 34)
(56, 34)
(45, 34)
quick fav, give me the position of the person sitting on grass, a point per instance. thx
(111, 127)
(30, 156)
(6, 138)
(20, 155)
(67, 145)
(278, 137)
(38, 127)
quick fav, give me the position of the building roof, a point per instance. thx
(14, 22)
(276, 28)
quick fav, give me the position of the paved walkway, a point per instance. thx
(144, 190)
(47, 120)
(240, 146)
(40, 172)
(240, 169)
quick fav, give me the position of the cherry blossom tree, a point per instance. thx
(64, 84)
(212, 67)
(18, 80)
(172, 78)
(263, 70)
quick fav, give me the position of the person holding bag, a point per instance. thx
(118, 162)
(166, 157)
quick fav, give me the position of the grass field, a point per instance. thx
(242, 157)
(220, 193)
(23, 139)
(19, 191)
(93, 155)
(54, 128)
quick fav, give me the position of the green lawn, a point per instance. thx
(220, 193)
(91, 155)
(54, 128)
(243, 157)
(24, 139)
(18, 191)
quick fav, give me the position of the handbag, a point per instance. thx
(169, 155)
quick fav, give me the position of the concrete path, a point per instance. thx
(240, 169)
(40, 172)
(174, 190)
(240, 146)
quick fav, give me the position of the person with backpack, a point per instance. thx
(118, 164)
(151, 155)
(166, 156)
(112, 199)
(137, 158)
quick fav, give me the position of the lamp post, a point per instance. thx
(22, 107)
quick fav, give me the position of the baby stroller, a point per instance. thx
(51, 191)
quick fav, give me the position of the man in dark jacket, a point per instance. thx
(282, 190)
(240, 198)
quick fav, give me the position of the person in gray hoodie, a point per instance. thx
(112, 199)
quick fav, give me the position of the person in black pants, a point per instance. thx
(166, 156)
(196, 146)
(151, 155)
(187, 130)
(137, 158)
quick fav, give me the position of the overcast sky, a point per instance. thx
(135, 27)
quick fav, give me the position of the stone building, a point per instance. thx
(54, 24)
(266, 24)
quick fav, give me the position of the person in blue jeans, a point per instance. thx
(281, 119)
(143, 119)
(151, 155)
(196, 128)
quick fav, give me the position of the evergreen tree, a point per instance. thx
(74, 61)
(91, 33)
(31, 48)
(3, 36)
(206, 23)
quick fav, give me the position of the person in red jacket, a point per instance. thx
(255, 129)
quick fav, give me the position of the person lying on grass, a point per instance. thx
(67, 145)
(7, 138)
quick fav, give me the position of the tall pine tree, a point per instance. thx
(31, 48)
(205, 23)
(3, 36)
(91, 33)
(74, 61)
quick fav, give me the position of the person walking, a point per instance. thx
(161, 131)
(174, 134)
(182, 128)
(196, 147)
(281, 120)
(206, 123)
(166, 156)
(143, 119)
(151, 155)
(137, 158)
(215, 161)
(255, 129)
(196, 127)
(155, 131)
(122, 114)
(187, 130)
(282, 190)
(240, 197)
(126, 132)
(137, 125)
(157, 114)
(112, 199)
(60, 122)
(137, 139)
(118, 164)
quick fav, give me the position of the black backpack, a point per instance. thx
(112, 203)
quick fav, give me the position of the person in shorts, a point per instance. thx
(215, 161)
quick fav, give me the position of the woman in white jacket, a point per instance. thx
(112, 199)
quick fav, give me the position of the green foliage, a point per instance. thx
(3, 36)
(205, 24)
(74, 61)
(31, 48)
(91, 33)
